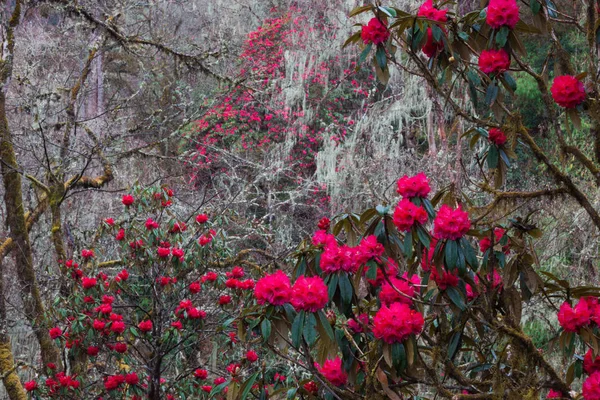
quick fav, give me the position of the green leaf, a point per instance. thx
(408, 244)
(491, 94)
(437, 33)
(352, 39)
(291, 394)
(310, 329)
(346, 290)
(510, 81)
(454, 344)
(492, 158)
(399, 356)
(381, 57)
(535, 6)
(456, 297)
(326, 325)
(365, 53)
(450, 254)
(502, 36)
(372, 271)
(359, 10)
(389, 11)
(504, 157)
(218, 389)
(265, 329)
(297, 328)
(423, 236)
(470, 255)
(248, 386)
(332, 285)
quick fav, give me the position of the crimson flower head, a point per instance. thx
(428, 11)
(413, 186)
(402, 291)
(554, 394)
(163, 252)
(204, 240)
(324, 224)
(492, 62)
(109, 221)
(496, 136)
(407, 214)
(251, 356)
(120, 235)
(201, 218)
(502, 13)
(374, 32)
(98, 325)
(30, 386)
(195, 287)
(55, 332)
(93, 351)
(311, 387)
(201, 373)
(127, 200)
(395, 323)
(132, 378)
(573, 318)
(486, 242)
(145, 326)
(223, 300)
(85, 253)
(273, 289)
(451, 224)
(591, 387)
(591, 364)
(309, 294)
(88, 282)
(391, 270)
(123, 275)
(446, 280)
(236, 272)
(151, 224)
(120, 347)
(117, 327)
(567, 91)
(333, 372)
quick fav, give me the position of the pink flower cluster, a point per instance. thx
(451, 224)
(349, 259)
(571, 319)
(414, 186)
(486, 242)
(273, 289)
(333, 372)
(395, 323)
(374, 32)
(493, 62)
(408, 214)
(496, 136)
(427, 10)
(309, 294)
(567, 91)
(502, 13)
(401, 290)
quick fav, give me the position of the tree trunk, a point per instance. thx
(15, 210)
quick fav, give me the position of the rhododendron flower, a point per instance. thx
(333, 372)
(311, 387)
(251, 356)
(204, 240)
(177, 325)
(219, 380)
(322, 238)
(339, 258)
(209, 277)
(178, 227)
(427, 257)
(195, 287)
(554, 394)
(132, 378)
(109, 221)
(567, 91)
(492, 62)
(486, 242)
(88, 282)
(414, 186)
(356, 325)
(236, 272)
(123, 275)
(120, 347)
(55, 332)
(137, 244)
(85, 253)
(502, 13)
(98, 325)
(201, 373)
(309, 294)
(497, 137)
(448, 279)
(427, 10)
(431, 47)
(127, 200)
(395, 323)
(274, 289)
(120, 235)
(93, 351)
(571, 319)
(391, 270)
(407, 214)
(451, 224)
(177, 252)
(374, 32)
(30, 386)
(145, 326)
(201, 218)
(591, 387)
(402, 291)
(163, 252)
(324, 224)
(151, 224)
(113, 382)
(369, 248)
(591, 364)
(223, 300)
(117, 327)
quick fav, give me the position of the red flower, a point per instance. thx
(591, 387)
(274, 289)
(395, 323)
(151, 224)
(132, 378)
(120, 347)
(431, 48)
(486, 242)
(502, 13)
(590, 366)
(88, 282)
(333, 372)
(251, 356)
(554, 394)
(402, 290)
(177, 325)
(178, 253)
(136, 244)
(571, 319)
(224, 300)
(406, 215)
(55, 332)
(207, 388)
(201, 373)
(446, 280)
(178, 227)
(309, 294)
(113, 382)
(93, 351)
(201, 218)
(428, 11)
(322, 238)
(324, 224)
(120, 235)
(109, 221)
(209, 277)
(219, 380)
(163, 252)
(492, 62)
(374, 32)
(451, 224)
(391, 270)
(117, 327)
(145, 326)
(98, 325)
(414, 186)
(123, 275)
(204, 240)
(85, 253)
(496, 136)
(195, 287)
(127, 200)
(567, 91)
(311, 387)
(30, 386)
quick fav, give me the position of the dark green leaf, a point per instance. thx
(332, 286)
(510, 81)
(454, 345)
(297, 328)
(492, 158)
(381, 57)
(399, 356)
(389, 11)
(491, 94)
(408, 244)
(470, 255)
(310, 328)
(535, 6)
(423, 236)
(365, 53)
(218, 389)
(450, 254)
(456, 297)
(504, 157)
(248, 386)
(502, 36)
(326, 325)
(265, 329)
(372, 271)
(346, 290)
